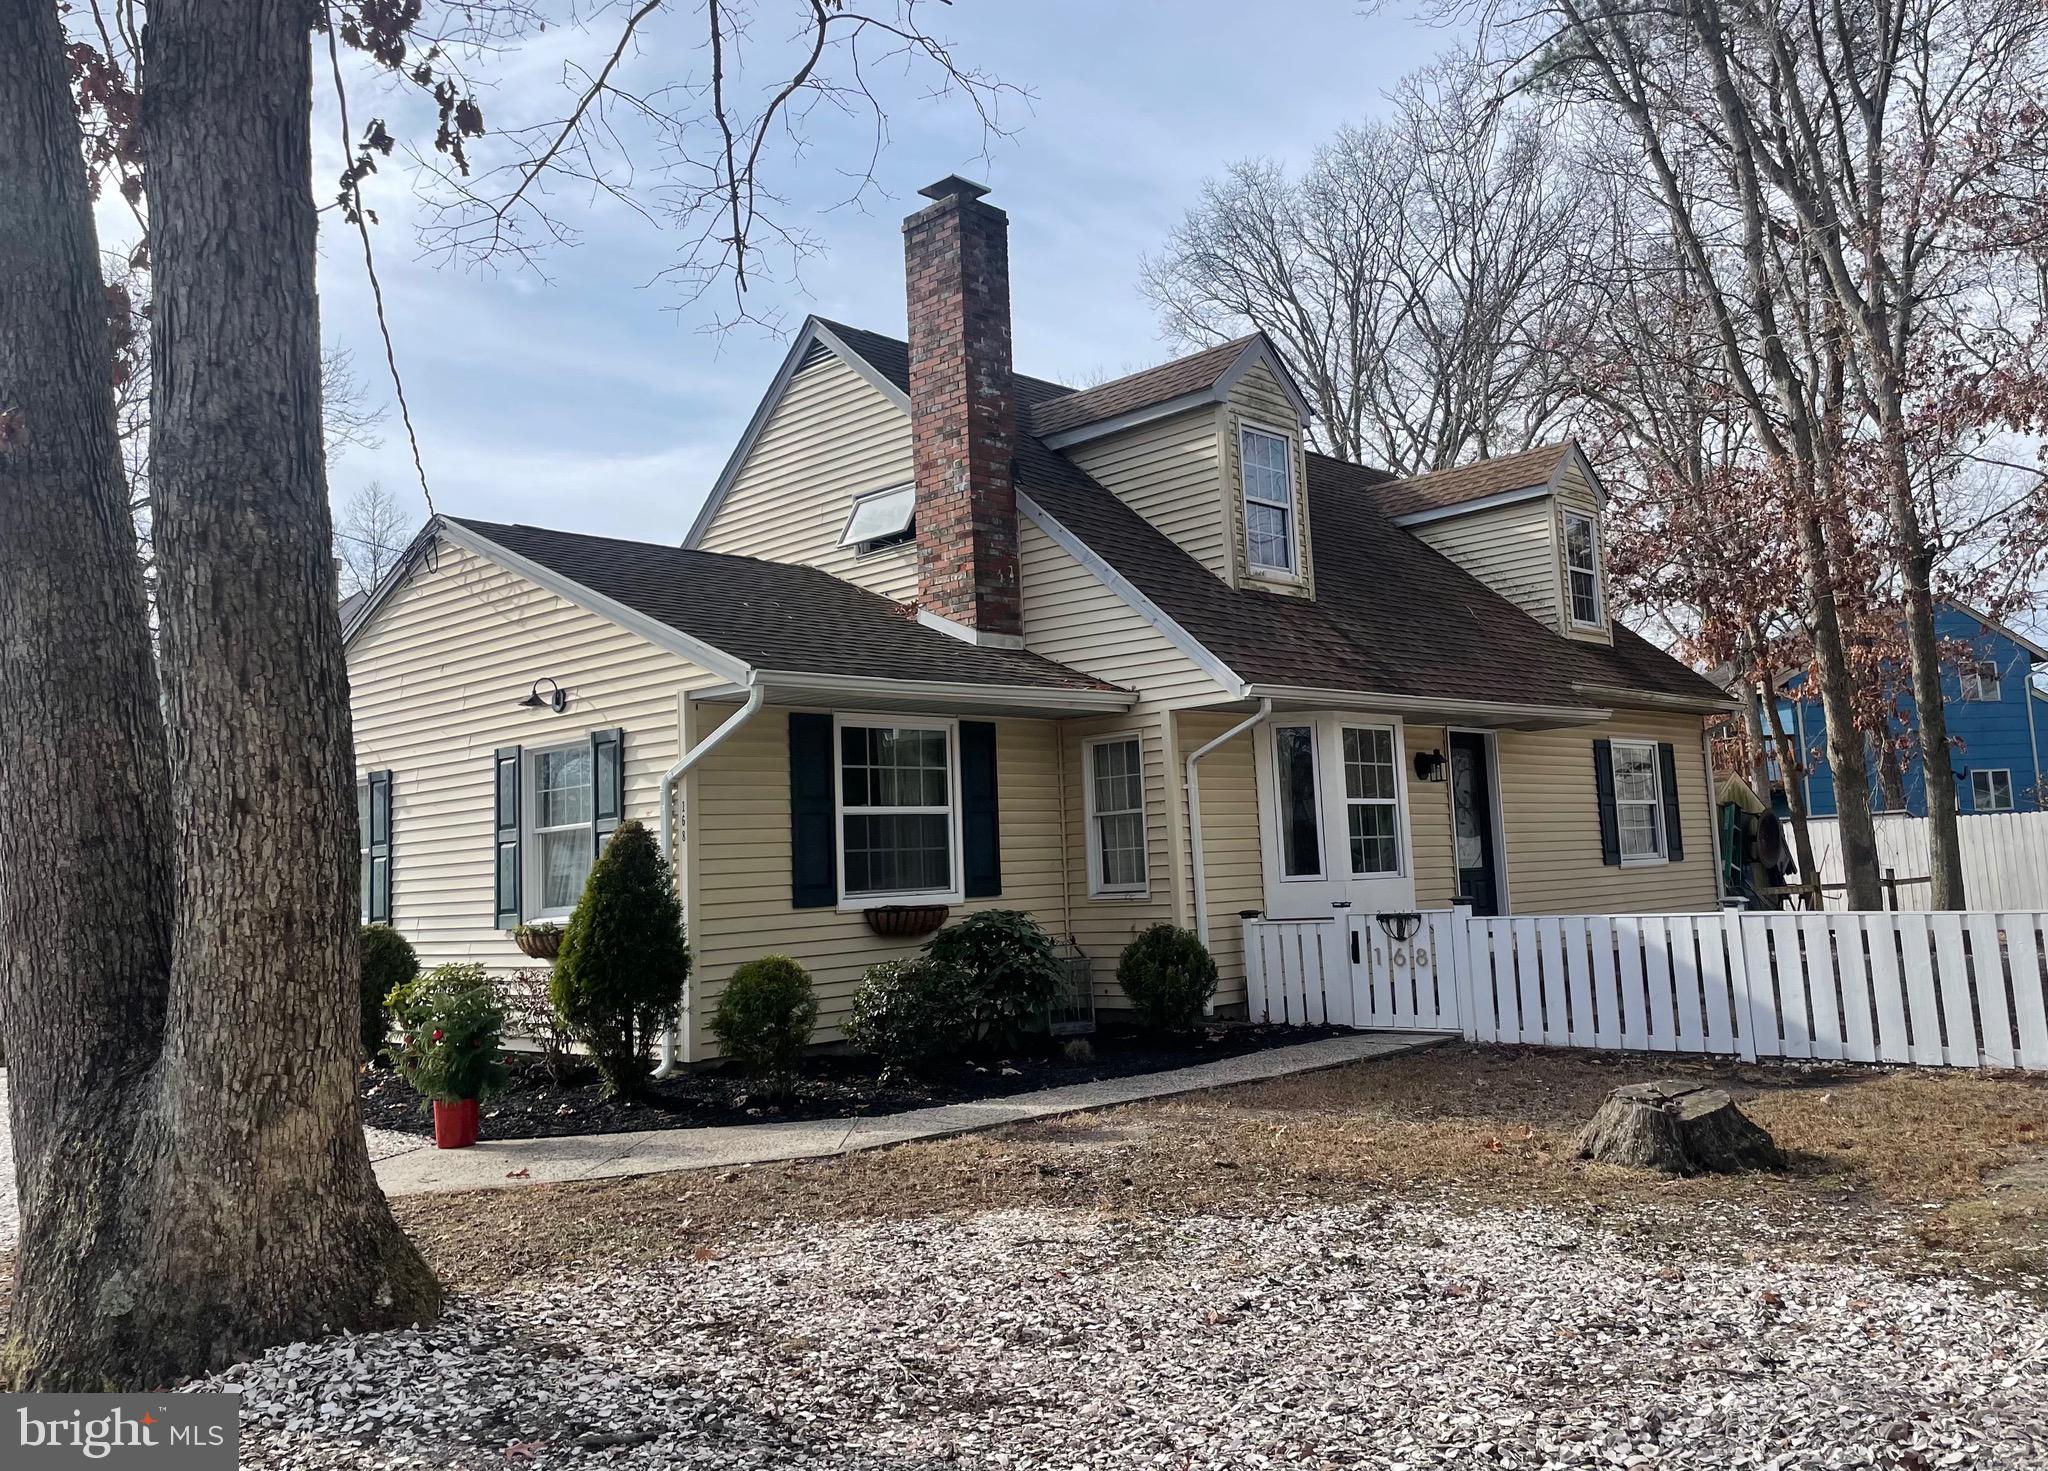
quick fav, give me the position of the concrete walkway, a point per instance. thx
(659, 1151)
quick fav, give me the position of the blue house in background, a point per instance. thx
(1997, 722)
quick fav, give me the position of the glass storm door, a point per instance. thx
(1472, 844)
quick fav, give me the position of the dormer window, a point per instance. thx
(1268, 468)
(1582, 567)
(881, 518)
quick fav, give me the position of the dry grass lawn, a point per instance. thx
(1941, 1172)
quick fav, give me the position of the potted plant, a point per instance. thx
(454, 1028)
(541, 941)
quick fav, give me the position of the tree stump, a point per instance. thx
(1680, 1128)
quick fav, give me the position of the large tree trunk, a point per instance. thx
(1930, 713)
(1838, 709)
(177, 962)
(270, 1222)
(85, 896)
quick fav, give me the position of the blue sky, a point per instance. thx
(594, 400)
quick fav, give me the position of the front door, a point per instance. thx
(1472, 821)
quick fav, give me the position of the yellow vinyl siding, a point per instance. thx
(1429, 821)
(832, 437)
(1070, 617)
(1167, 472)
(1258, 399)
(1552, 818)
(1512, 549)
(1230, 843)
(435, 682)
(740, 852)
(1575, 493)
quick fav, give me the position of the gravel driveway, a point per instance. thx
(383, 1143)
(1359, 1336)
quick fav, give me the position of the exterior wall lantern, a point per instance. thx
(556, 699)
(1429, 766)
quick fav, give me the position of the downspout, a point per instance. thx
(756, 692)
(1195, 814)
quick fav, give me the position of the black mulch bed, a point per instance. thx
(832, 1086)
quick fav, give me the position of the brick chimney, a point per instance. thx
(963, 414)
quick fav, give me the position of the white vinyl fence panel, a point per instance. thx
(2005, 858)
(1951, 989)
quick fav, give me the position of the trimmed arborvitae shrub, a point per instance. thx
(1010, 967)
(910, 1014)
(624, 960)
(387, 963)
(765, 1017)
(1169, 976)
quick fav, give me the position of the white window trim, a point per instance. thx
(1395, 802)
(1655, 802)
(1315, 767)
(1253, 568)
(531, 860)
(1971, 677)
(956, 892)
(1599, 619)
(2011, 796)
(1099, 887)
(894, 540)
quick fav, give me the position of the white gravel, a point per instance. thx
(383, 1144)
(1405, 1337)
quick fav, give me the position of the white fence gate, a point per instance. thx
(1956, 990)
(1353, 970)
(2005, 858)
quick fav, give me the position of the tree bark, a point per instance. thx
(85, 896)
(1680, 1128)
(177, 927)
(260, 1060)
(1792, 762)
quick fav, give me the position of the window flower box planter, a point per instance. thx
(905, 921)
(539, 941)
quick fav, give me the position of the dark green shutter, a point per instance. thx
(608, 783)
(813, 851)
(505, 842)
(1667, 766)
(379, 845)
(979, 810)
(1603, 787)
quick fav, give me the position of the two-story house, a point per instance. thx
(1997, 721)
(946, 635)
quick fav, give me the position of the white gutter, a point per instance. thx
(756, 692)
(1195, 814)
(1456, 711)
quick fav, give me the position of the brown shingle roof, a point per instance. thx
(1140, 390)
(775, 615)
(1454, 487)
(1391, 615)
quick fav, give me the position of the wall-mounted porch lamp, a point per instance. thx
(556, 699)
(1429, 766)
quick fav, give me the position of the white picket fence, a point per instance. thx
(2005, 858)
(1955, 990)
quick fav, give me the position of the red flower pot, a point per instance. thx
(454, 1124)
